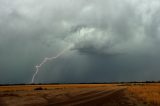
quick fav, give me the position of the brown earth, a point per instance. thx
(67, 95)
(114, 97)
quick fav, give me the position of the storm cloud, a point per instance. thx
(113, 40)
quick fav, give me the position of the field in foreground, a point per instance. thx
(81, 95)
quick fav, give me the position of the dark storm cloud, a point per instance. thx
(113, 40)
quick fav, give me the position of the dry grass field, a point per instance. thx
(51, 87)
(81, 95)
(147, 93)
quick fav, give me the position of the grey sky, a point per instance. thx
(113, 40)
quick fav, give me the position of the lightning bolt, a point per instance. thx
(47, 59)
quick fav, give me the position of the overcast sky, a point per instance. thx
(112, 40)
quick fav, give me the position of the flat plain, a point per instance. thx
(128, 94)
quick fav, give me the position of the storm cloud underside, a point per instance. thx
(113, 40)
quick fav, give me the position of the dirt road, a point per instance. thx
(115, 97)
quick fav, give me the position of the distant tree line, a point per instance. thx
(82, 83)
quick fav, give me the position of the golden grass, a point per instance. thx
(147, 93)
(27, 95)
(60, 86)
